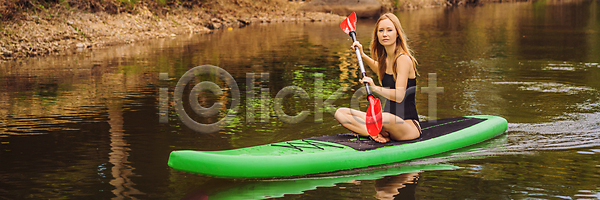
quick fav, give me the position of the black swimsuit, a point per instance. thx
(406, 109)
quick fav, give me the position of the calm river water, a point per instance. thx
(87, 126)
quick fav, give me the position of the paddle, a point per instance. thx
(374, 119)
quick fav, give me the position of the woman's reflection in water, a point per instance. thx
(400, 186)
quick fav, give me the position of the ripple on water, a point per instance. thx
(548, 87)
(559, 67)
(589, 105)
(590, 152)
(542, 192)
(587, 194)
(586, 152)
(582, 131)
(569, 66)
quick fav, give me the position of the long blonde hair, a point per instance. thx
(378, 50)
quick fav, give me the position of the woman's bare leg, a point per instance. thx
(394, 127)
(398, 128)
(353, 120)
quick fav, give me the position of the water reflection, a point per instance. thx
(75, 107)
(547, 176)
(400, 186)
(121, 170)
(387, 183)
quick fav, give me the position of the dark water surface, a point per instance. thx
(87, 126)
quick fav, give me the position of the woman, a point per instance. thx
(396, 68)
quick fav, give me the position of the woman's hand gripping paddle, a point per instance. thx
(374, 119)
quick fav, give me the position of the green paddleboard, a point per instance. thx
(337, 152)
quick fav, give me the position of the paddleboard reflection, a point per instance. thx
(390, 182)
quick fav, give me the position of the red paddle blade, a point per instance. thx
(374, 117)
(349, 24)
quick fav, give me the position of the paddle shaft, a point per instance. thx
(360, 62)
(374, 117)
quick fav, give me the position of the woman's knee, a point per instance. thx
(340, 112)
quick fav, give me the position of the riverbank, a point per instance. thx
(40, 27)
(62, 29)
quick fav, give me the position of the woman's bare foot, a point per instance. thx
(381, 139)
